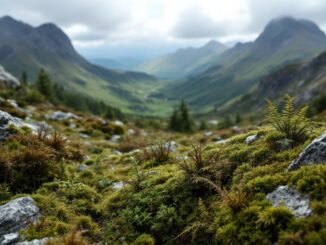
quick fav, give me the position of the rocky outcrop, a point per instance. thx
(60, 115)
(8, 79)
(292, 199)
(313, 154)
(14, 216)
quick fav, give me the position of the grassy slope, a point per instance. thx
(168, 201)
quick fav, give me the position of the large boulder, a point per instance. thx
(16, 215)
(292, 199)
(314, 153)
(8, 79)
(6, 120)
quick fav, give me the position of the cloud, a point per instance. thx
(96, 26)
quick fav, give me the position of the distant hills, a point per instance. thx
(183, 62)
(122, 64)
(306, 81)
(238, 70)
(27, 48)
(210, 78)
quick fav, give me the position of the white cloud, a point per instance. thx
(116, 24)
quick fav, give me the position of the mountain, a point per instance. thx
(183, 62)
(27, 48)
(305, 81)
(236, 71)
(117, 64)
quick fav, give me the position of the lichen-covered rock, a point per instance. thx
(251, 138)
(11, 238)
(314, 153)
(60, 115)
(34, 242)
(16, 215)
(292, 199)
(8, 79)
(6, 120)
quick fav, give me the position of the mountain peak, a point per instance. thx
(213, 44)
(280, 30)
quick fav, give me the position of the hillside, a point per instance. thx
(183, 62)
(306, 81)
(25, 48)
(283, 41)
(69, 177)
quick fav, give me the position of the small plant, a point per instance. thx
(203, 225)
(289, 122)
(159, 152)
(139, 176)
(198, 165)
(73, 238)
(235, 200)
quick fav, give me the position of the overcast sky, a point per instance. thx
(145, 28)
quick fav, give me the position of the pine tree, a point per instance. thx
(44, 85)
(174, 121)
(24, 79)
(180, 119)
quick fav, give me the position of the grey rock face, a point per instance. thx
(60, 115)
(8, 79)
(289, 197)
(314, 153)
(16, 215)
(250, 139)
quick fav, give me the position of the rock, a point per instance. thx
(131, 131)
(34, 242)
(11, 238)
(221, 142)
(115, 138)
(314, 153)
(82, 167)
(16, 215)
(13, 103)
(207, 134)
(212, 122)
(236, 129)
(5, 121)
(118, 185)
(116, 152)
(289, 197)
(118, 123)
(250, 139)
(8, 79)
(171, 145)
(83, 136)
(60, 115)
(284, 144)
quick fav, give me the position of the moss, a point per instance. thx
(144, 239)
(311, 180)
